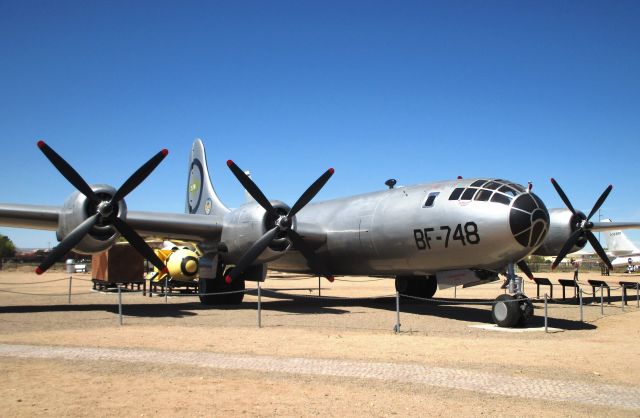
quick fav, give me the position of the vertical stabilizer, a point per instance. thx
(618, 244)
(201, 196)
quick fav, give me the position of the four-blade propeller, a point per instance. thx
(282, 224)
(106, 213)
(583, 227)
(106, 210)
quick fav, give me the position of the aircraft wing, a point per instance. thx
(166, 225)
(610, 226)
(29, 216)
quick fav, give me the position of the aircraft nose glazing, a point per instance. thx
(529, 220)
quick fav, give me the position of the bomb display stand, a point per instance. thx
(120, 264)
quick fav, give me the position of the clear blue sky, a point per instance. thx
(419, 91)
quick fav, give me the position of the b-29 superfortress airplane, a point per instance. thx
(454, 232)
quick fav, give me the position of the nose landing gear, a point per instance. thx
(511, 310)
(515, 309)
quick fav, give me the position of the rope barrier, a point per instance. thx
(361, 281)
(29, 283)
(326, 297)
(462, 301)
(44, 294)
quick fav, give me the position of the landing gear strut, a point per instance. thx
(515, 309)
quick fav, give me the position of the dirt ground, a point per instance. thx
(353, 320)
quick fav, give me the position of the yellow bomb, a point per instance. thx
(182, 264)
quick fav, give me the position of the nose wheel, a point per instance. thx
(511, 310)
(515, 309)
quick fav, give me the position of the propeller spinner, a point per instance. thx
(281, 226)
(583, 227)
(106, 212)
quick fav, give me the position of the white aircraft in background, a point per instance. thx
(621, 247)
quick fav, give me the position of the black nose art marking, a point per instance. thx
(529, 220)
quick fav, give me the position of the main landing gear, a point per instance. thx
(515, 309)
(418, 286)
(208, 288)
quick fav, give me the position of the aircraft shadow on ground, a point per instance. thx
(172, 310)
(462, 310)
(448, 309)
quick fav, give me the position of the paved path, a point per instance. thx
(493, 383)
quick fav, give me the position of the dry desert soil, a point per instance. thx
(336, 355)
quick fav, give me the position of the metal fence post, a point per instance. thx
(581, 315)
(624, 301)
(601, 301)
(69, 300)
(455, 292)
(120, 304)
(319, 286)
(259, 305)
(546, 320)
(166, 288)
(397, 327)
(637, 295)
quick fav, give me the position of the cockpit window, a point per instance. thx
(500, 198)
(468, 194)
(492, 185)
(507, 190)
(430, 199)
(483, 195)
(456, 193)
(482, 190)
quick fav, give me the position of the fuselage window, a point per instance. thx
(483, 195)
(468, 194)
(478, 183)
(456, 193)
(430, 199)
(517, 187)
(500, 198)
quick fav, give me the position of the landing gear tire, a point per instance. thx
(418, 286)
(209, 286)
(526, 309)
(506, 311)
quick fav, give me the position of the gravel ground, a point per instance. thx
(197, 360)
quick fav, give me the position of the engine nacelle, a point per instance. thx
(562, 223)
(243, 226)
(77, 208)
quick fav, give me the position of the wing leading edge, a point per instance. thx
(166, 225)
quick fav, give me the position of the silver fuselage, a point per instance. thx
(391, 232)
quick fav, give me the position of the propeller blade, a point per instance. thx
(67, 171)
(563, 196)
(598, 248)
(252, 253)
(138, 243)
(600, 201)
(522, 265)
(312, 259)
(67, 243)
(311, 192)
(567, 246)
(139, 176)
(251, 187)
